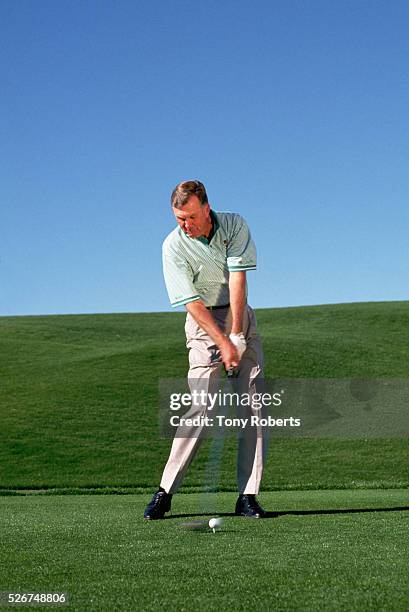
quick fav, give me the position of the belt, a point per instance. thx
(217, 307)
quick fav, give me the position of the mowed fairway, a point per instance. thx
(79, 416)
(79, 397)
(318, 553)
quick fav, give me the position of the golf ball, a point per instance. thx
(214, 523)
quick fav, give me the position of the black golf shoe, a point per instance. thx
(159, 504)
(247, 505)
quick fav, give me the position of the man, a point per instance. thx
(205, 261)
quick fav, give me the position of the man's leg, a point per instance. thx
(188, 439)
(204, 374)
(253, 439)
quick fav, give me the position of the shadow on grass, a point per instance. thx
(270, 515)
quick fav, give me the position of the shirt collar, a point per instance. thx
(215, 227)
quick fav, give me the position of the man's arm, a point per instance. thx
(205, 320)
(237, 289)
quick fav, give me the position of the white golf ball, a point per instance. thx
(215, 523)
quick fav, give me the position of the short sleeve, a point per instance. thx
(178, 279)
(241, 250)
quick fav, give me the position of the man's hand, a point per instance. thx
(204, 319)
(230, 355)
(239, 342)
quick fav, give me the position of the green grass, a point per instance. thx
(316, 555)
(79, 415)
(79, 397)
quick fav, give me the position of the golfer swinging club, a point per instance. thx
(205, 261)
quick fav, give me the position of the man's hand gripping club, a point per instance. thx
(232, 347)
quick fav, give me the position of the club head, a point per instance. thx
(195, 525)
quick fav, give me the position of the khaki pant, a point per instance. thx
(205, 373)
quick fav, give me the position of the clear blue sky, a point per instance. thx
(293, 113)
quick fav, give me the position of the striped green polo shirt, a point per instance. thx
(196, 269)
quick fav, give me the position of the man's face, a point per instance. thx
(193, 218)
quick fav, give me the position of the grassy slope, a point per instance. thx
(79, 395)
(100, 551)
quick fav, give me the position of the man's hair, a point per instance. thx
(184, 190)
